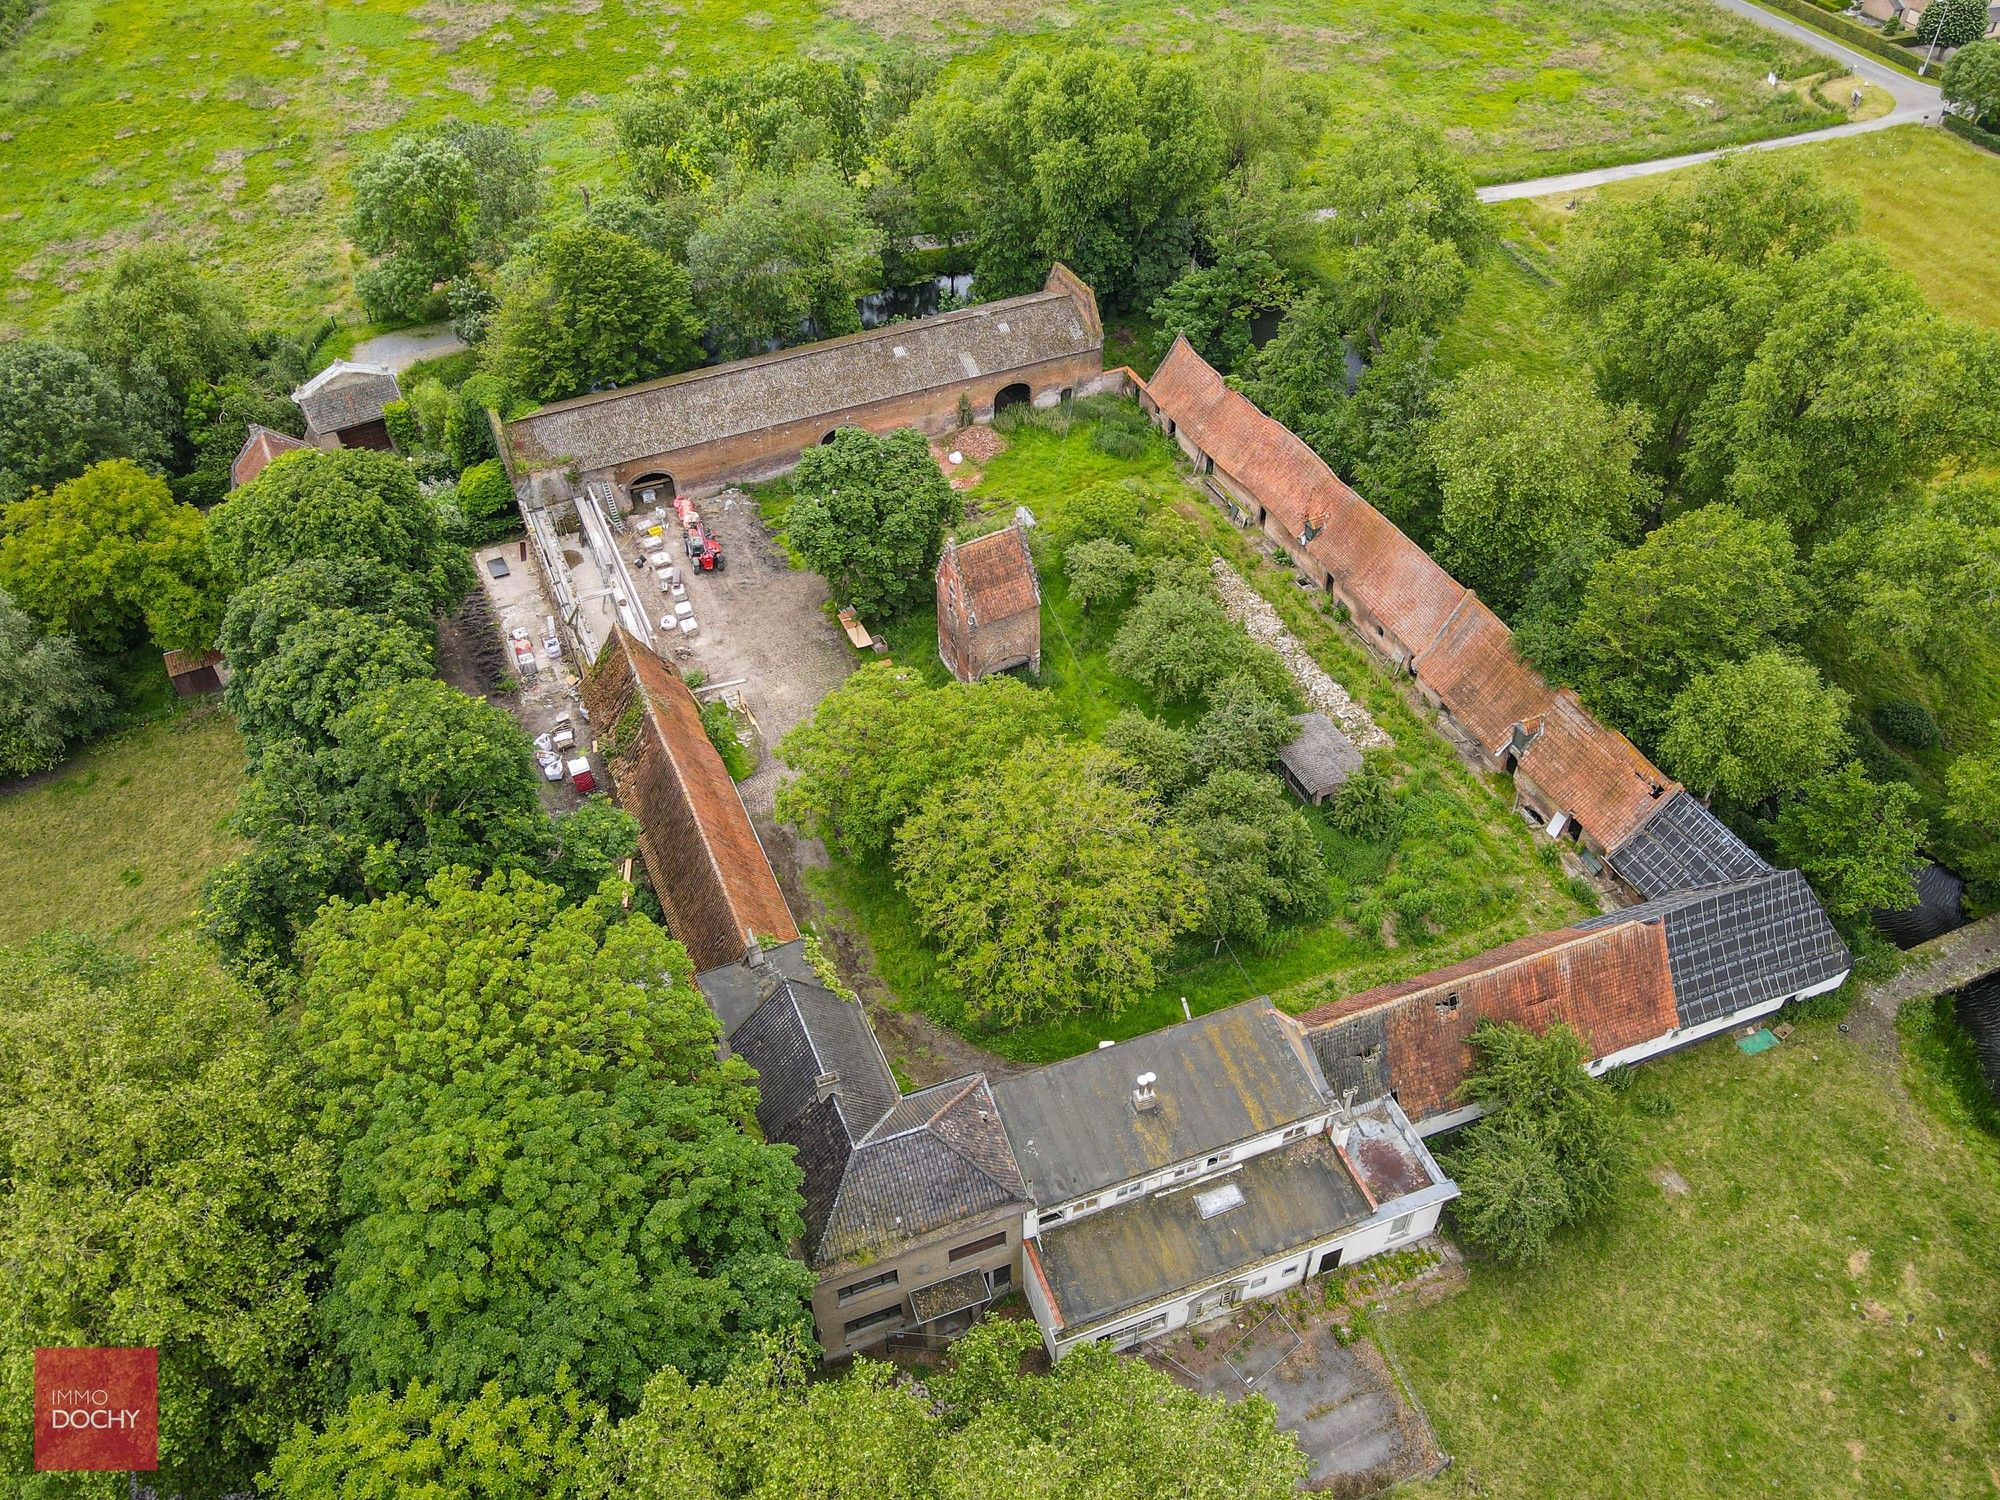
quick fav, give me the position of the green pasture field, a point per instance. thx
(1793, 1295)
(231, 130)
(1462, 875)
(118, 840)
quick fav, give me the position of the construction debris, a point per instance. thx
(1255, 614)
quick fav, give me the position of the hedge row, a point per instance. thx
(1977, 134)
(1849, 32)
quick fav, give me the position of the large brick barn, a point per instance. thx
(703, 430)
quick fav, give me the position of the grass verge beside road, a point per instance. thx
(118, 840)
(1793, 1296)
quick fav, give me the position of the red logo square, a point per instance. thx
(97, 1409)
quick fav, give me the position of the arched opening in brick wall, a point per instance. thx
(659, 483)
(1012, 395)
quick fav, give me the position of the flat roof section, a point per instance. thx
(1146, 1251)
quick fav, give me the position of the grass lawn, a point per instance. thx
(232, 130)
(1930, 198)
(1811, 1315)
(1462, 875)
(118, 840)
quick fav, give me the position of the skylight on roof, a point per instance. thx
(1218, 1200)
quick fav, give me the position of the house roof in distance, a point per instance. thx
(812, 380)
(990, 578)
(1681, 846)
(1221, 1078)
(261, 446)
(1319, 756)
(346, 394)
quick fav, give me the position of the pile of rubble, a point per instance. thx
(1254, 613)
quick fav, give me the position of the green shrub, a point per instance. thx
(1365, 808)
(1908, 724)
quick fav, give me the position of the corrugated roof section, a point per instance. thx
(1681, 847)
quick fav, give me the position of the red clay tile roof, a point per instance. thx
(1386, 573)
(1612, 984)
(1593, 772)
(259, 448)
(690, 814)
(1455, 643)
(1472, 667)
(994, 577)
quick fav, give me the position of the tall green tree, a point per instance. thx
(1972, 811)
(49, 696)
(1677, 287)
(1922, 579)
(109, 556)
(1709, 587)
(259, 613)
(1050, 886)
(217, 420)
(432, 205)
(383, 1446)
(1178, 641)
(1095, 157)
(1972, 79)
(584, 308)
(1242, 729)
(319, 668)
(1754, 729)
(1097, 1424)
(1952, 23)
(1527, 470)
(1550, 1150)
(781, 254)
(882, 740)
(1255, 853)
(342, 506)
(160, 328)
(161, 1189)
(870, 514)
(1405, 224)
(1855, 839)
(59, 414)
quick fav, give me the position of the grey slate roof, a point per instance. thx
(882, 1168)
(1319, 756)
(1731, 947)
(733, 991)
(345, 395)
(814, 380)
(1681, 846)
(1222, 1078)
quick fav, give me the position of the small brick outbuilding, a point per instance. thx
(989, 606)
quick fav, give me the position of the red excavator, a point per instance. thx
(702, 548)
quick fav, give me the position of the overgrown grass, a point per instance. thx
(1812, 1316)
(119, 839)
(1461, 875)
(232, 130)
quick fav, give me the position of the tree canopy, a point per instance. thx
(1710, 587)
(1179, 642)
(1097, 1424)
(584, 308)
(1256, 855)
(882, 740)
(340, 506)
(1855, 839)
(59, 414)
(49, 696)
(1550, 1150)
(1972, 78)
(161, 1189)
(870, 513)
(1750, 730)
(108, 554)
(1972, 811)
(1528, 469)
(1049, 886)
(433, 204)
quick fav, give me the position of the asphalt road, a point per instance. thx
(1917, 103)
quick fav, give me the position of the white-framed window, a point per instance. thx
(1400, 1225)
(1129, 1189)
(1295, 1132)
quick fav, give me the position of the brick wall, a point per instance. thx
(770, 451)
